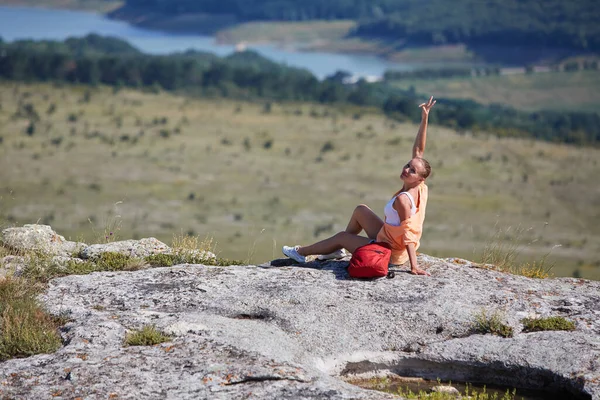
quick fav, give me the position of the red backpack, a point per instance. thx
(370, 261)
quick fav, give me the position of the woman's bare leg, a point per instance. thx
(340, 240)
(363, 218)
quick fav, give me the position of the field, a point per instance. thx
(576, 91)
(255, 176)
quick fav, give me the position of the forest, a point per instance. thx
(547, 23)
(247, 75)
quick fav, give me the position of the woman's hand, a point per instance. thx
(414, 265)
(425, 107)
(418, 271)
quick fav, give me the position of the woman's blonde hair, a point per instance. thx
(426, 166)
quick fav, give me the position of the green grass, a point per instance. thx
(485, 322)
(217, 178)
(25, 328)
(472, 394)
(421, 389)
(502, 253)
(41, 267)
(111, 261)
(547, 324)
(575, 91)
(147, 336)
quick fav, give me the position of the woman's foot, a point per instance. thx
(292, 252)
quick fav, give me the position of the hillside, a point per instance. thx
(563, 27)
(258, 175)
(248, 75)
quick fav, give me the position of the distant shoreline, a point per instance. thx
(324, 36)
(311, 36)
(335, 37)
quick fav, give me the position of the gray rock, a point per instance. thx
(133, 248)
(39, 238)
(196, 254)
(11, 266)
(445, 389)
(291, 332)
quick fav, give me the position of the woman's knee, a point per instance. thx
(361, 209)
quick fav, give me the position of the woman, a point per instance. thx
(404, 214)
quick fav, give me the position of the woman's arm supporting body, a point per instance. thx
(403, 206)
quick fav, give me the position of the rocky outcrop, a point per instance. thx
(37, 243)
(296, 332)
(132, 248)
(41, 238)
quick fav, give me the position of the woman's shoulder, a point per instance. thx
(423, 192)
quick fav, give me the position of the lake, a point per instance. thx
(39, 23)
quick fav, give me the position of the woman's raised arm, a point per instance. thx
(419, 147)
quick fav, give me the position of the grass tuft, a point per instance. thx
(547, 324)
(485, 323)
(189, 244)
(147, 336)
(25, 328)
(189, 250)
(113, 223)
(163, 260)
(5, 251)
(503, 251)
(41, 267)
(79, 267)
(113, 261)
(388, 385)
(469, 394)
(168, 260)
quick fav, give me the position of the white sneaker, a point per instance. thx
(341, 253)
(292, 252)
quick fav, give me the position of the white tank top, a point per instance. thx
(391, 215)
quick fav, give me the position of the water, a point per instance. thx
(38, 23)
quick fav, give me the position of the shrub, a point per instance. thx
(547, 324)
(30, 130)
(79, 268)
(163, 260)
(112, 261)
(485, 323)
(328, 146)
(147, 336)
